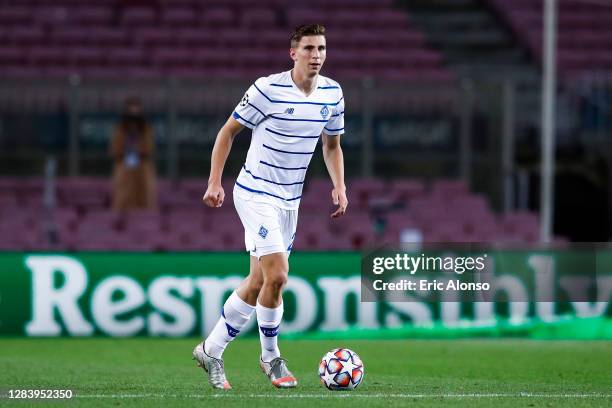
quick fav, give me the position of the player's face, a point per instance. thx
(309, 55)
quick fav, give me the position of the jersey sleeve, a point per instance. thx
(335, 124)
(253, 106)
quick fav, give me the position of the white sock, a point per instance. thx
(269, 320)
(234, 316)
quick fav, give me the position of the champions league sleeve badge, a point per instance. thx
(245, 100)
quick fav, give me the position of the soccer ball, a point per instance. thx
(341, 369)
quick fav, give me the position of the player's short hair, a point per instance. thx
(306, 30)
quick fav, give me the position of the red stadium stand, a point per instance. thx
(444, 211)
(585, 32)
(195, 39)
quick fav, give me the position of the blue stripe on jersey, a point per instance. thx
(270, 181)
(237, 116)
(328, 87)
(258, 110)
(337, 114)
(266, 193)
(334, 130)
(298, 120)
(283, 168)
(282, 134)
(282, 86)
(285, 151)
(297, 102)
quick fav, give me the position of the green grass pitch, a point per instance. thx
(159, 372)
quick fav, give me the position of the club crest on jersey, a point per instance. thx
(263, 232)
(289, 111)
(324, 111)
(245, 100)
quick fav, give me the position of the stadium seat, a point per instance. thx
(86, 57)
(12, 15)
(171, 57)
(362, 190)
(259, 17)
(70, 36)
(26, 36)
(11, 55)
(219, 18)
(125, 56)
(155, 37)
(48, 56)
(92, 16)
(105, 36)
(194, 37)
(178, 16)
(51, 15)
(138, 16)
(306, 15)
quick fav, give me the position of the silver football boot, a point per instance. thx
(278, 373)
(212, 366)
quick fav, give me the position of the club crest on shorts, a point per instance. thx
(324, 111)
(263, 232)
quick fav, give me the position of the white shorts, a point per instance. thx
(267, 228)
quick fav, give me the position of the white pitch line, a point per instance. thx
(346, 395)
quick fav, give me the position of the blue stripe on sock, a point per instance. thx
(269, 331)
(231, 331)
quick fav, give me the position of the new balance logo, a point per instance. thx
(289, 111)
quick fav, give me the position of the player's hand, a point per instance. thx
(339, 199)
(214, 195)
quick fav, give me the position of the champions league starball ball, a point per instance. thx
(341, 369)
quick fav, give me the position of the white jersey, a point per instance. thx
(286, 128)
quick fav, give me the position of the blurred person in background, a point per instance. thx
(132, 148)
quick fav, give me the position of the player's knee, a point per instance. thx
(277, 280)
(255, 284)
(276, 270)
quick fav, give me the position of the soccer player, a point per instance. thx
(287, 112)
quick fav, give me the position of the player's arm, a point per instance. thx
(223, 144)
(334, 161)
